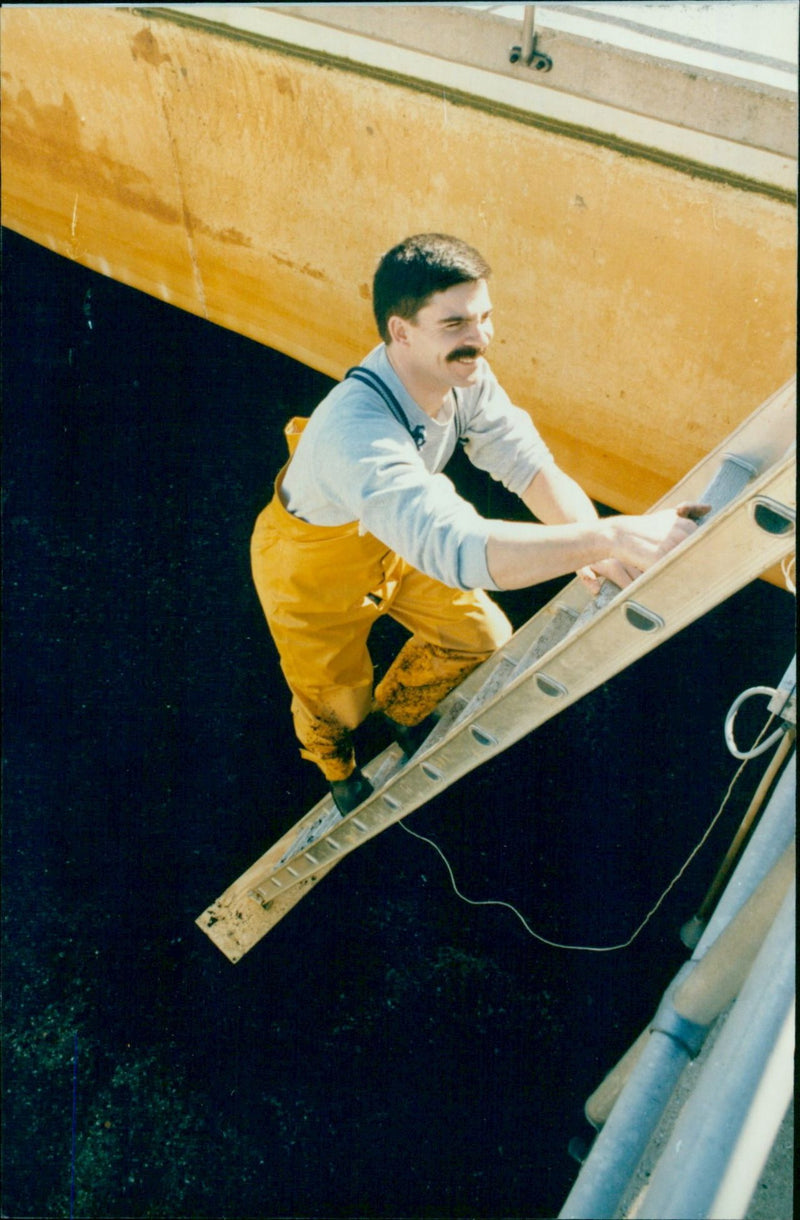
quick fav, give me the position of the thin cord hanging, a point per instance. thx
(496, 902)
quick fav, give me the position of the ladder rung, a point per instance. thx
(498, 678)
(772, 517)
(481, 736)
(550, 686)
(556, 630)
(732, 477)
(643, 619)
(508, 669)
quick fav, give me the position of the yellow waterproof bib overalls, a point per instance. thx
(321, 589)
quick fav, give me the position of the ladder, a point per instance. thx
(572, 645)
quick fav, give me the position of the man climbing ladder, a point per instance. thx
(364, 523)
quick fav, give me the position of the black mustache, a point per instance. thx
(466, 353)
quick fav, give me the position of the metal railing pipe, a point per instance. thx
(770, 839)
(618, 1148)
(695, 1162)
(652, 1078)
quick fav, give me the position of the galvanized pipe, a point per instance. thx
(692, 1168)
(613, 1158)
(618, 1148)
(760, 1129)
(697, 996)
(770, 839)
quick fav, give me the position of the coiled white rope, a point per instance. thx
(730, 719)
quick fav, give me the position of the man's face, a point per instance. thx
(448, 337)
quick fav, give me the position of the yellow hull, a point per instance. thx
(642, 310)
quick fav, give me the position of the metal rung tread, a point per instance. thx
(499, 678)
(564, 620)
(731, 478)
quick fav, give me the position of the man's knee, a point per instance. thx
(324, 721)
(481, 630)
(420, 676)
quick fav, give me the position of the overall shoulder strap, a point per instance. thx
(379, 385)
(458, 420)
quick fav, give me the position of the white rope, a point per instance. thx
(788, 570)
(554, 944)
(730, 720)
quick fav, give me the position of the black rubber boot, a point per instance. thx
(410, 737)
(349, 793)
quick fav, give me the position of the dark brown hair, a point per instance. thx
(410, 273)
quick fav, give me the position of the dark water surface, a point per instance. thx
(386, 1050)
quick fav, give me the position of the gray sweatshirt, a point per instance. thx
(356, 462)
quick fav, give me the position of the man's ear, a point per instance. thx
(398, 329)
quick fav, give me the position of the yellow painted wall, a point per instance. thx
(640, 312)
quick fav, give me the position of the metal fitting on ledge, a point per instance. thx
(669, 1021)
(528, 53)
